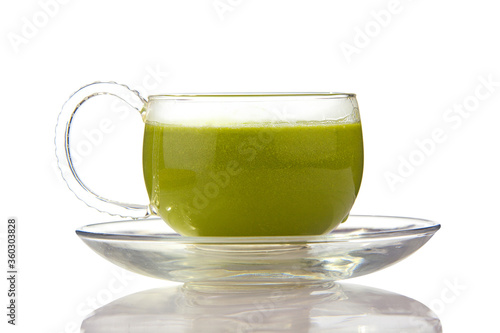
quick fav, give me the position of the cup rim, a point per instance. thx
(253, 95)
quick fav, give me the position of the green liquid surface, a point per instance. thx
(253, 180)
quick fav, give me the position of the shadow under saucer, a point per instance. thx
(327, 307)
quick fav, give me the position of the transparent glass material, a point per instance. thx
(328, 307)
(363, 245)
(63, 151)
(241, 164)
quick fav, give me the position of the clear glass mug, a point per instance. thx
(250, 164)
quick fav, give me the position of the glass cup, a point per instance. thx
(249, 164)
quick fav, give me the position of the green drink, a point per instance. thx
(236, 164)
(253, 179)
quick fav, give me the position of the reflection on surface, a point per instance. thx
(329, 307)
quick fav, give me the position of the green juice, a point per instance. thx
(253, 179)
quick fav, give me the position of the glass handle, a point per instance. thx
(63, 151)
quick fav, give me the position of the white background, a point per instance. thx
(415, 65)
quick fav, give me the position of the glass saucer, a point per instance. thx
(362, 245)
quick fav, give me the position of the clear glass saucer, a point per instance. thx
(362, 245)
(327, 307)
